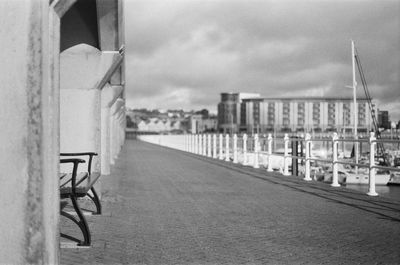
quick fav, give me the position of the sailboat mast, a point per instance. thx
(353, 58)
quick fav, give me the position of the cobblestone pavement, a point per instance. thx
(164, 206)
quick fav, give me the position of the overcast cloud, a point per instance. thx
(183, 54)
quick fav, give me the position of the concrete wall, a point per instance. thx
(29, 34)
(29, 118)
(84, 70)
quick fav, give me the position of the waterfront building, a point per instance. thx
(229, 110)
(383, 119)
(199, 123)
(156, 125)
(304, 115)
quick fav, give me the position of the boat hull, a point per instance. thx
(380, 179)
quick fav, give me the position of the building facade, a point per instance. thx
(304, 115)
(383, 119)
(229, 110)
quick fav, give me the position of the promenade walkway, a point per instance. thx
(163, 206)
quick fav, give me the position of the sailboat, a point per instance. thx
(356, 175)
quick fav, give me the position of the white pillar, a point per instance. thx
(115, 115)
(29, 121)
(84, 71)
(221, 140)
(286, 155)
(200, 144)
(269, 169)
(372, 144)
(335, 145)
(119, 130)
(235, 153)
(204, 145)
(109, 95)
(308, 156)
(256, 150)
(244, 149)
(214, 146)
(196, 144)
(209, 145)
(191, 143)
(227, 158)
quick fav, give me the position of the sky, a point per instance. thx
(181, 54)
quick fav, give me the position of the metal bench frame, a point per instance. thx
(80, 185)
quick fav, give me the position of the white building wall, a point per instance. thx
(337, 115)
(278, 114)
(368, 117)
(249, 114)
(324, 115)
(293, 115)
(263, 113)
(352, 114)
(308, 115)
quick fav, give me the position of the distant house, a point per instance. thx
(199, 124)
(158, 125)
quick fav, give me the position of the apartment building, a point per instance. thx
(229, 110)
(304, 114)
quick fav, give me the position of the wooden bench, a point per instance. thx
(76, 185)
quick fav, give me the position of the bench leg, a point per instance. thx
(81, 222)
(95, 199)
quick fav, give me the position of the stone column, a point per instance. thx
(84, 72)
(115, 112)
(109, 95)
(29, 35)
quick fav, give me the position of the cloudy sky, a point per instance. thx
(184, 53)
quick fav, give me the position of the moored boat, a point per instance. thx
(394, 179)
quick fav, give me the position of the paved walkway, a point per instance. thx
(164, 206)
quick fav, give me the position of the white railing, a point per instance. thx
(264, 152)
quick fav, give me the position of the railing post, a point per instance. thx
(221, 144)
(372, 144)
(200, 147)
(197, 144)
(256, 146)
(335, 145)
(214, 145)
(308, 156)
(200, 144)
(235, 153)
(285, 156)
(227, 147)
(193, 142)
(209, 145)
(244, 149)
(269, 169)
(189, 142)
(204, 145)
